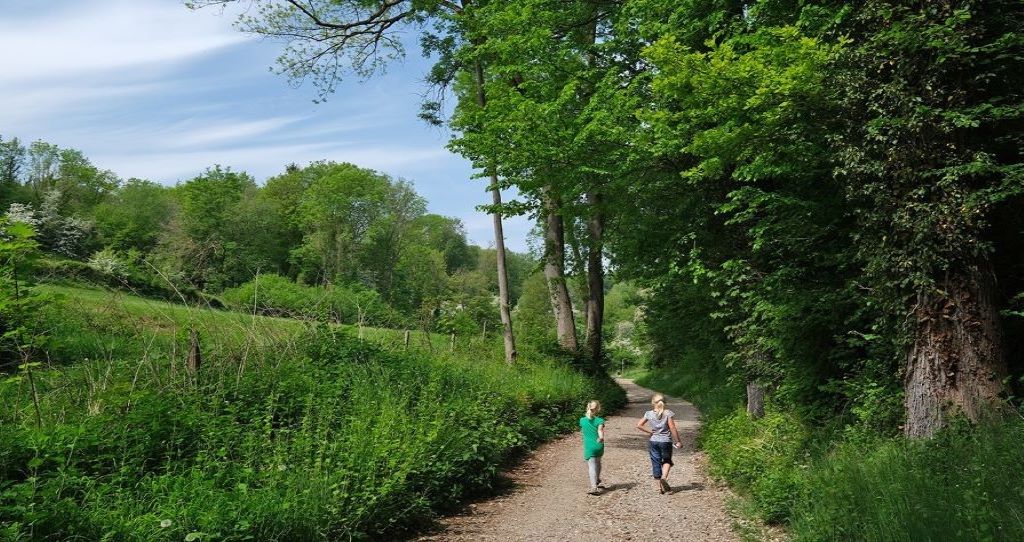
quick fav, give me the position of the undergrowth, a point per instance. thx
(825, 482)
(306, 434)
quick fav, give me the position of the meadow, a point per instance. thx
(288, 430)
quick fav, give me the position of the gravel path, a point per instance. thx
(550, 501)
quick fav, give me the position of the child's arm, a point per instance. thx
(600, 433)
(675, 432)
(640, 425)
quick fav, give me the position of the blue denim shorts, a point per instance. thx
(661, 453)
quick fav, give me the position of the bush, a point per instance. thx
(274, 295)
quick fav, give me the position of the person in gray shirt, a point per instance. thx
(663, 433)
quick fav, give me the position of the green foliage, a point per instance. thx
(135, 215)
(764, 458)
(21, 331)
(274, 295)
(533, 317)
(959, 486)
(307, 434)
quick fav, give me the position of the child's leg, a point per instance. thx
(656, 471)
(655, 460)
(594, 468)
(666, 465)
(598, 461)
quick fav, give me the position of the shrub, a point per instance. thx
(274, 295)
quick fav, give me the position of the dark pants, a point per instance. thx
(661, 453)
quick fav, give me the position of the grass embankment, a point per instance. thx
(288, 432)
(830, 484)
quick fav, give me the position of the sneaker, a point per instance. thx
(594, 491)
(665, 488)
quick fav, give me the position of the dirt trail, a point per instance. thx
(550, 501)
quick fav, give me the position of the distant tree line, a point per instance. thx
(325, 224)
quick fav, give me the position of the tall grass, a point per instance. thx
(965, 485)
(827, 484)
(287, 432)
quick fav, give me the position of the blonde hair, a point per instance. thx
(593, 407)
(658, 400)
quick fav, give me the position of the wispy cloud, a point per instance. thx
(263, 160)
(229, 132)
(81, 38)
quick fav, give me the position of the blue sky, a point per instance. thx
(150, 89)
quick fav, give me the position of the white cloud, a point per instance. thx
(95, 37)
(213, 134)
(261, 161)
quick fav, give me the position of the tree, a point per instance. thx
(931, 152)
(447, 235)
(12, 162)
(328, 38)
(391, 235)
(199, 247)
(337, 213)
(43, 167)
(134, 215)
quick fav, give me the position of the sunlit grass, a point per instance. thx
(289, 430)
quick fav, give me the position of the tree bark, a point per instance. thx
(957, 363)
(595, 278)
(499, 237)
(554, 271)
(579, 270)
(755, 400)
(595, 257)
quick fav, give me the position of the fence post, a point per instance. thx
(195, 355)
(406, 339)
(453, 342)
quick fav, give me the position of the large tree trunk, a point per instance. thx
(554, 271)
(755, 399)
(499, 238)
(579, 269)
(595, 278)
(956, 364)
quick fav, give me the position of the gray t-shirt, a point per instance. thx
(659, 426)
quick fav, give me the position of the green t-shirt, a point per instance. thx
(591, 447)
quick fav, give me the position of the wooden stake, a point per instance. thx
(195, 355)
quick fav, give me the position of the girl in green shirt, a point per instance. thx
(592, 428)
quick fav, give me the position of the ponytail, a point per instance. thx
(659, 404)
(593, 407)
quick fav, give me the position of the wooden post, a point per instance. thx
(406, 339)
(195, 355)
(484, 334)
(452, 342)
(35, 393)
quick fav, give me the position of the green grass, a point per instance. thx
(290, 431)
(965, 485)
